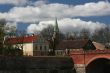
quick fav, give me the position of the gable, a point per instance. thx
(89, 46)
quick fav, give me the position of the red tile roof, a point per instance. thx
(25, 39)
(72, 44)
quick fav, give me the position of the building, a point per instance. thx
(31, 45)
(66, 46)
(55, 38)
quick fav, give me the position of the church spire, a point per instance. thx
(56, 29)
(55, 38)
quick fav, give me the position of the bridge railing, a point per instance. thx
(90, 52)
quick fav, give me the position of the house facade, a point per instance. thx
(31, 45)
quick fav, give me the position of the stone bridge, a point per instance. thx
(92, 61)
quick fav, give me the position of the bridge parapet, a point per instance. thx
(90, 52)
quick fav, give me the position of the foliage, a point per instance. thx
(102, 35)
(2, 34)
(48, 32)
(6, 48)
(52, 37)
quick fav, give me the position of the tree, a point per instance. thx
(85, 34)
(107, 34)
(72, 36)
(49, 34)
(6, 47)
(102, 35)
(2, 35)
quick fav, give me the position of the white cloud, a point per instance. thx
(11, 27)
(39, 2)
(14, 2)
(48, 11)
(36, 28)
(66, 25)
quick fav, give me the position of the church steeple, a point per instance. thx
(55, 38)
(56, 28)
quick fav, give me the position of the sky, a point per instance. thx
(72, 15)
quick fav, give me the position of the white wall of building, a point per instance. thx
(28, 49)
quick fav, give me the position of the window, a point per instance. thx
(36, 47)
(40, 47)
(45, 48)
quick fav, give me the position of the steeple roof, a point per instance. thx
(56, 29)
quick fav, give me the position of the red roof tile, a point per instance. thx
(25, 39)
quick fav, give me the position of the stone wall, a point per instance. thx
(80, 68)
(36, 65)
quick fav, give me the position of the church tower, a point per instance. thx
(55, 37)
(56, 29)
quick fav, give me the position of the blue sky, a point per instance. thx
(75, 2)
(27, 13)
